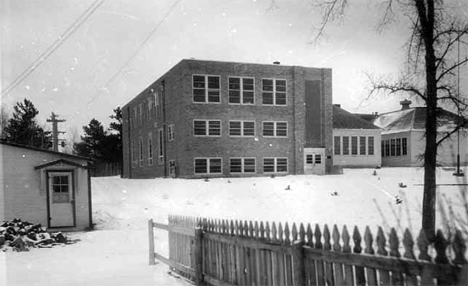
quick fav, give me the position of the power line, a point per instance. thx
(136, 51)
(55, 45)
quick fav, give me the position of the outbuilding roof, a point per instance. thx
(45, 151)
(343, 119)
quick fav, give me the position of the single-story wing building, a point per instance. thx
(403, 142)
(356, 142)
(46, 187)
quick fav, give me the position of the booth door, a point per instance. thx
(61, 199)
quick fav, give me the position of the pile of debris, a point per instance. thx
(21, 235)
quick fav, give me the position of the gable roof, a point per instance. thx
(343, 119)
(61, 162)
(2, 142)
(415, 119)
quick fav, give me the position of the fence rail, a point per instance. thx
(221, 252)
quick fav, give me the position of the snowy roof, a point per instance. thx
(415, 119)
(343, 119)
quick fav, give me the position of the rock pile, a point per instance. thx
(21, 235)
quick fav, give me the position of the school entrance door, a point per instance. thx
(314, 161)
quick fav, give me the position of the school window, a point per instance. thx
(275, 165)
(345, 145)
(337, 145)
(207, 127)
(208, 166)
(135, 116)
(275, 129)
(242, 128)
(274, 91)
(157, 102)
(387, 148)
(242, 165)
(170, 132)
(354, 147)
(140, 114)
(398, 147)
(206, 89)
(370, 145)
(140, 150)
(404, 147)
(150, 149)
(241, 90)
(160, 146)
(392, 147)
(362, 145)
(150, 107)
(133, 154)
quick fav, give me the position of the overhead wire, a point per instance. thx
(52, 48)
(97, 93)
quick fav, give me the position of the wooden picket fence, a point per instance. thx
(228, 253)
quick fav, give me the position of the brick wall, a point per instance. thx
(181, 111)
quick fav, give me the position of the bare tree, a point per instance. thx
(435, 33)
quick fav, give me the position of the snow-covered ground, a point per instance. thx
(116, 253)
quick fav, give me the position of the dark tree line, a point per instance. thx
(101, 144)
(22, 128)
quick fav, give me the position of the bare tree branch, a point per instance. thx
(449, 70)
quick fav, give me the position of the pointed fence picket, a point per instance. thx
(226, 252)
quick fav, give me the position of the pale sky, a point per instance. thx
(75, 81)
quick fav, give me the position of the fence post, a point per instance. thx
(198, 253)
(151, 242)
(298, 263)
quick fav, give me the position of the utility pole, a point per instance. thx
(55, 132)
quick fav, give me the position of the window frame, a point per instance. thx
(140, 151)
(274, 92)
(207, 89)
(170, 132)
(207, 128)
(150, 149)
(370, 147)
(160, 146)
(275, 166)
(337, 145)
(242, 166)
(208, 165)
(242, 128)
(241, 90)
(275, 129)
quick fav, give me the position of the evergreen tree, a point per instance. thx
(23, 129)
(93, 142)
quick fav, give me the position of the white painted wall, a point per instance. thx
(358, 160)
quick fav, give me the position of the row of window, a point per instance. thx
(241, 90)
(147, 110)
(239, 128)
(394, 147)
(206, 166)
(353, 145)
(139, 160)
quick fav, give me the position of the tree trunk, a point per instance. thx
(426, 16)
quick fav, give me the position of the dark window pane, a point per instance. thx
(214, 128)
(213, 82)
(201, 166)
(280, 98)
(199, 81)
(281, 85)
(248, 97)
(235, 128)
(281, 165)
(370, 145)
(268, 165)
(213, 96)
(249, 165)
(404, 147)
(236, 166)
(345, 145)
(362, 145)
(199, 127)
(215, 166)
(234, 83)
(354, 147)
(337, 145)
(249, 128)
(309, 159)
(267, 98)
(267, 85)
(234, 96)
(318, 159)
(281, 129)
(268, 129)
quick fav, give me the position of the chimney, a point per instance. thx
(405, 104)
(337, 105)
(276, 63)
